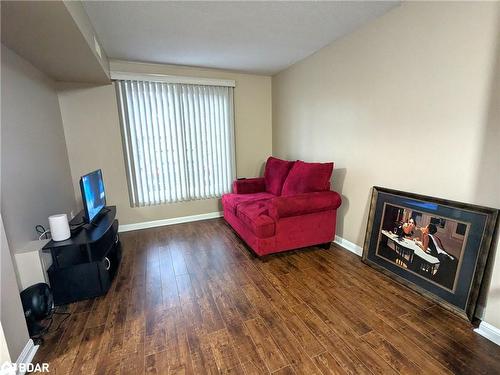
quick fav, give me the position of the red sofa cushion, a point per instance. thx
(249, 185)
(276, 173)
(254, 216)
(232, 201)
(308, 177)
(303, 204)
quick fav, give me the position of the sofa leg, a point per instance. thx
(325, 246)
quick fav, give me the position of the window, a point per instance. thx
(438, 221)
(178, 140)
(461, 229)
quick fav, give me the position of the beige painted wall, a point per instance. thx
(36, 178)
(81, 18)
(90, 118)
(15, 331)
(402, 102)
(56, 37)
(4, 350)
(488, 188)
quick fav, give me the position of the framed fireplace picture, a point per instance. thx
(435, 246)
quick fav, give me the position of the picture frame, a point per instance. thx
(437, 247)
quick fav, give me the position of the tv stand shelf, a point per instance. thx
(85, 264)
(88, 233)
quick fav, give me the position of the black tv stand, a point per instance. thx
(84, 265)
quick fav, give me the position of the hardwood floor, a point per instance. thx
(192, 299)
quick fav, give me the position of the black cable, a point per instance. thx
(47, 328)
(75, 228)
(40, 229)
(64, 319)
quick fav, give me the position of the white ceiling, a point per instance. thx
(254, 37)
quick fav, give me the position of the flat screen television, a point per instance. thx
(93, 196)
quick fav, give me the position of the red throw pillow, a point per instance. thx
(307, 178)
(276, 173)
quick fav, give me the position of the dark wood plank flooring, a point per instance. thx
(192, 299)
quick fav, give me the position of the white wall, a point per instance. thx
(36, 178)
(404, 102)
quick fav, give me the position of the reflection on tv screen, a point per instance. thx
(93, 190)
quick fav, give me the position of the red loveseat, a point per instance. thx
(289, 208)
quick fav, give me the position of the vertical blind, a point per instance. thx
(178, 140)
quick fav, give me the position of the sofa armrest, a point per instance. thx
(305, 203)
(249, 185)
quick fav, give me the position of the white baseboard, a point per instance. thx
(492, 333)
(348, 245)
(26, 355)
(163, 222)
